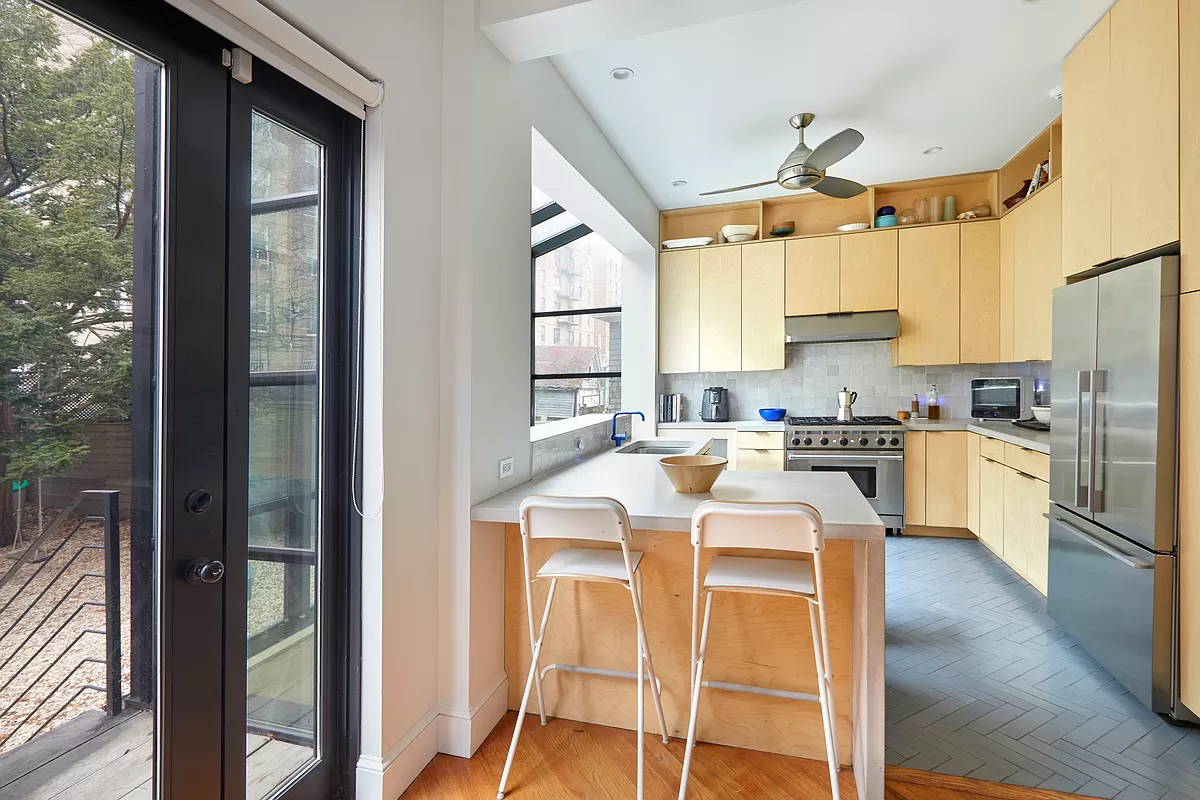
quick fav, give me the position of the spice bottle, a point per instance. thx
(916, 406)
(934, 410)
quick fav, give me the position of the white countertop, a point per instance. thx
(639, 482)
(1004, 431)
(734, 424)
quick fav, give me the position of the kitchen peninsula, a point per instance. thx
(756, 640)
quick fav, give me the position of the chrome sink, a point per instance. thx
(652, 447)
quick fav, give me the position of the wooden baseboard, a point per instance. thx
(975, 788)
(945, 533)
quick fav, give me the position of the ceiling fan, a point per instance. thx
(804, 168)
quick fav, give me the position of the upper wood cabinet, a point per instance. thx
(721, 309)
(762, 305)
(1144, 74)
(1189, 151)
(979, 296)
(679, 311)
(928, 295)
(1088, 134)
(1189, 499)
(813, 269)
(1008, 241)
(1037, 272)
(869, 270)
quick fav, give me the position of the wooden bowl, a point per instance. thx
(693, 474)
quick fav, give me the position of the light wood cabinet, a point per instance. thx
(928, 295)
(1008, 224)
(721, 309)
(760, 440)
(1028, 461)
(679, 311)
(1144, 75)
(812, 283)
(724, 440)
(762, 306)
(945, 479)
(914, 478)
(869, 270)
(1089, 136)
(991, 505)
(1037, 272)
(979, 295)
(761, 460)
(1189, 148)
(1189, 499)
(1026, 531)
(973, 459)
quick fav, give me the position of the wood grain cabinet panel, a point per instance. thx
(761, 460)
(973, 482)
(914, 478)
(760, 440)
(1037, 272)
(812, 283)
(991, 505)
(1189, 499)
(946, 479)
(1189, 145)
(1008, 224)
(929, 295)
(979, 296)
(869, 271)
(721, 309)
(679, 311)
(762, 306)
(1088, 137)
(1026, 531)
(1144, 71)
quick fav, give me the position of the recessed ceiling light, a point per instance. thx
(679, 183)
(1055, 93)
(933, 150)
(621, 74)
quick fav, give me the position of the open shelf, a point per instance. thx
(814, 213)
(1046, 145)
(686, 223)
(968, 191)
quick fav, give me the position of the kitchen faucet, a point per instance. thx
(620, 437)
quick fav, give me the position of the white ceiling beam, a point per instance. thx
(527, 29)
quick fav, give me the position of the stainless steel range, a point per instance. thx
(869, 449)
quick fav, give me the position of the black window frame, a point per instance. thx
(537, 250)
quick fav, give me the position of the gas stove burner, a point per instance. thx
(834, 422)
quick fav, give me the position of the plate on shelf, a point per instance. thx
(854, 226)
(695, 241)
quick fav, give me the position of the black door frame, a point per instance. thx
(195, 746)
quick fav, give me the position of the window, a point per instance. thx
(579, 372)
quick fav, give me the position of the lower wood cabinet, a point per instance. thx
(973, 482)
(914, 478)
(1026, 530)
(724, 440)
(991, 505)
(935, 492)
(761, 460)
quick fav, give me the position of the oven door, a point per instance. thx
(879, 476)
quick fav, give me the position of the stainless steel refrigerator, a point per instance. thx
(1114, 381)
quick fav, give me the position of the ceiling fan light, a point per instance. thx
(795, 182)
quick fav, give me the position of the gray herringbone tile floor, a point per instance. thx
(981, 683)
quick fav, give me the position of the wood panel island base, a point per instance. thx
(755, 640)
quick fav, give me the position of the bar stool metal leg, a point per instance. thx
(537, 651)
(828, 716)
(655, 694)
(696, 682)
(641, 707)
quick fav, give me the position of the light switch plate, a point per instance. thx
(506, 468)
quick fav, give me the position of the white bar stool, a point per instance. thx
(795, 527)
(598, 519)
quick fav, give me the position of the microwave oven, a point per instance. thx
(1001, 398)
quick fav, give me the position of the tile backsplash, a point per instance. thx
(815, 373)
(578, 445)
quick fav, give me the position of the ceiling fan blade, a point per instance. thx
(834, 149)
(738, 188)
(839, 187)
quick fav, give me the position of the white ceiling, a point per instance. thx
(709, 102)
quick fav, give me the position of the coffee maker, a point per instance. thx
(715, 405)
(846, 400)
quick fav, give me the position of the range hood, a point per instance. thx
(861, 326)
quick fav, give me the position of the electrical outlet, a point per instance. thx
(506, 468)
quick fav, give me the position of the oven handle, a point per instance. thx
(845, 457)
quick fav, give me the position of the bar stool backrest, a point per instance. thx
(795, 527)
(599, 519)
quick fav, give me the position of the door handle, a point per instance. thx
(1083, 384)
(1098, 381)
(203, 570)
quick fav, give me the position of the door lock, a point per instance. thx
(202, 570)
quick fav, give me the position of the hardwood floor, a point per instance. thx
(576, 760)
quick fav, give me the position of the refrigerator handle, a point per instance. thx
(1082, 492)
(1097, 386)
(1099, 545)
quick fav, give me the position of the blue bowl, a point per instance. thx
(772, 414)
(885, 221)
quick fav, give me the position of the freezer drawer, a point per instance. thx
(1116, 600)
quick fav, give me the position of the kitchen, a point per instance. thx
(991, 675)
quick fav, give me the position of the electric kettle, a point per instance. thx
(846, 400)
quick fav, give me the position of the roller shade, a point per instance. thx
(264, 34)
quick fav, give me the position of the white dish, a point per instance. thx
(695, 241)
(731, 231)
(1041, 413)
(854, 226)
(739, 237)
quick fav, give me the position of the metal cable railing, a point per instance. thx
(40, 646)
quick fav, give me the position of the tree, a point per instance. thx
(66, 214)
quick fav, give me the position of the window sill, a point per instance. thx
(549, 429)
